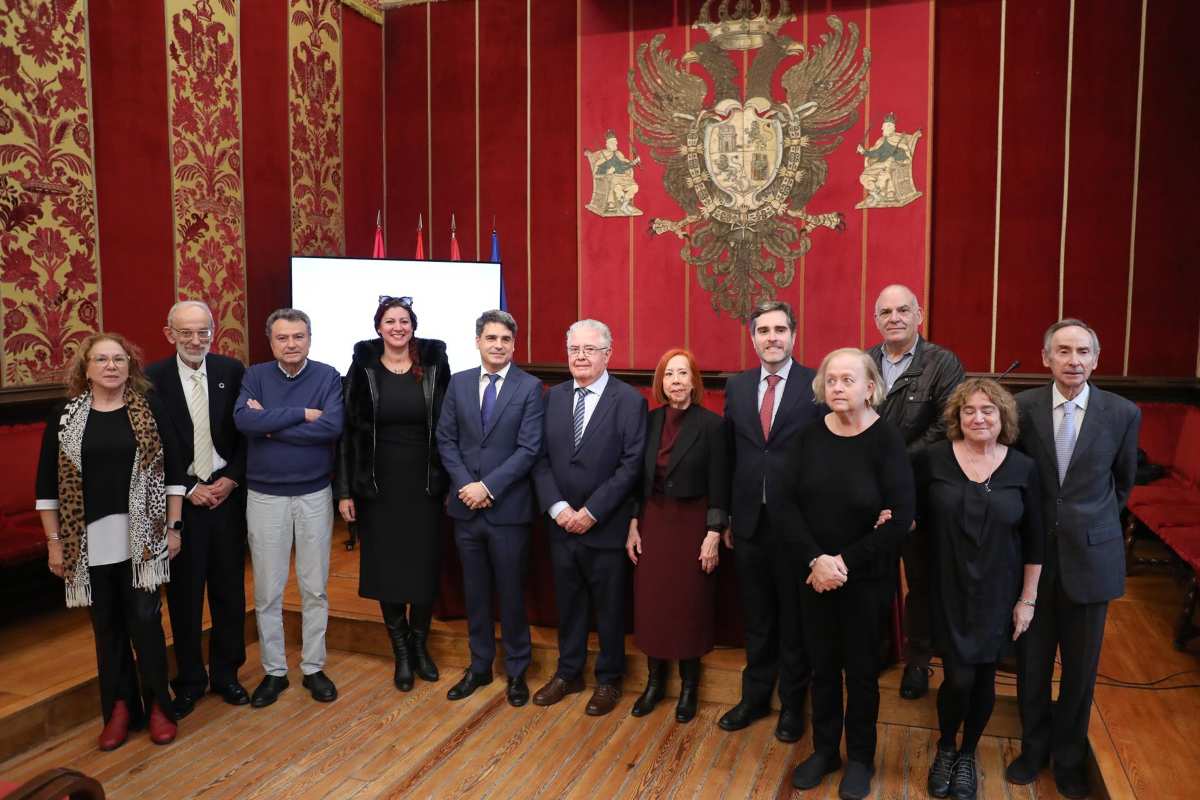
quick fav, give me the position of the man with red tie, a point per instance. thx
(764, 408)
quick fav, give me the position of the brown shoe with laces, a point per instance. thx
(557, 689)
(604, 700)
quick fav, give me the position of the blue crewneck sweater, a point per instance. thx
(286, 455)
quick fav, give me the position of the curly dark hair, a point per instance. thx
(1005, 403)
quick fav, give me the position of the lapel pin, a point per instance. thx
(220, 386)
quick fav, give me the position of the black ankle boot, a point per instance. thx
(656, 685)
(689, 674)
(419, 620)
(398, 633)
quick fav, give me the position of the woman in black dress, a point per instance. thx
(390, 479)
(845, 469)
(110, 495)
(978, 500)
(673, 541)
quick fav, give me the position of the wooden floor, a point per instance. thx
(376, 742)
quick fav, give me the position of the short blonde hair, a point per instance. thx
(1009, 427)
(875, 398)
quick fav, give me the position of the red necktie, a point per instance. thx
(768, 405)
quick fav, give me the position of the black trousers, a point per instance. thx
(213, 554)
(842, 628)
(1076, 631)
(589, 579)
(495, 556)
(917, 553)
(775, 645)
(122, 615)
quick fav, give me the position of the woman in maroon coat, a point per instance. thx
(673, 539)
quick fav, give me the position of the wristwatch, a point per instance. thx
(175, 527)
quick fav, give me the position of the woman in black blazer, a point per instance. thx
(684, 502)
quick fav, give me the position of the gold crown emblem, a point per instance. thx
(744, 28)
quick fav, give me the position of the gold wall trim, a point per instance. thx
(1133, 212)
(372, 11)
(999, 177)
(1062, 236)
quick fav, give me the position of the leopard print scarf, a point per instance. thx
(147, 499)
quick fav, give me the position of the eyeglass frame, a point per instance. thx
(587, 350)
(404, 301)
(204, 335)
(104, 360)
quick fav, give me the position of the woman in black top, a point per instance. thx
(110, 495)
(845, 469)
(978, 500)
(390, 479)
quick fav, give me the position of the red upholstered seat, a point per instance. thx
(1167, 491)
(21, 537)
(1166, 515)
(1185, 541)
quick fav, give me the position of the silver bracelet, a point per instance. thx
(53, 537)
(1030, 603)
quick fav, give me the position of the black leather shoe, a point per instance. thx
(941, 772)
(813, 769)
(232, 693)
(915, 683)
(1071, 783)
(1024, 769)
(965, 783)
(268, 691)
(320, 687)
(856, 781)
(185, 701)
(656, 685)
(741, 715)
(790, 726)
(517, 691)
(467, 686)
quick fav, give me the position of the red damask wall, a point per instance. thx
(1053, 132)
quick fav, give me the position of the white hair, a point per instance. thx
(594, 324)
(182, 304)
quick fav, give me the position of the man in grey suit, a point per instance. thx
(489, 437)
(1084, 441)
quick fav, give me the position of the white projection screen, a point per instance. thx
(340, 295)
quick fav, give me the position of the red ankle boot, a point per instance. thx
(162, 729)
(116, 730)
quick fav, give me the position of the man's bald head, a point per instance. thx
(898, 317)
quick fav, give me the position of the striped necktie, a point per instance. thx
(1064, 440)
(580, 395)
(202, 446)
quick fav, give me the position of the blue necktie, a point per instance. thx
(489, 400)
(580, 394)
(1064, 440)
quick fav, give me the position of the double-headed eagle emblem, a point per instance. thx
(745, 167)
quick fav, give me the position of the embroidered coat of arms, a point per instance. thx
(745, 167)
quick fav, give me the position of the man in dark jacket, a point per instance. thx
(920, 377)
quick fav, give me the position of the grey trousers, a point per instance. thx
(273, 523)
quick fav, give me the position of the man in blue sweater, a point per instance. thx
(290, 410)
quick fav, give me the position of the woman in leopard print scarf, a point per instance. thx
(109, 490)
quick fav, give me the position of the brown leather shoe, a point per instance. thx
(604, 700)
(557, 689)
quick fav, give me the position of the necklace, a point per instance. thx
(395, 370)
(984, 471)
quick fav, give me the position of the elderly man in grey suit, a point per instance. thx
(1084, 441)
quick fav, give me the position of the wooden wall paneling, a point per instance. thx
(1035, 103)
(362, 135)
(452, 152)
(265, 171)
(966, 114)
(503, 139)
(406, 121)
(133, 179)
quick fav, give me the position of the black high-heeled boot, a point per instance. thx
(689, 675)
(419, 618)
(656, 685)
(398, 632)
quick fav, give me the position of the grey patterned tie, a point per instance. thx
(1064, 440)
(202, 447)
(580, 394)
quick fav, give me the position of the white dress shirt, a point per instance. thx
(1057, 400)
(779, 387)
(483, 381)
(185, 378)
(590, 401)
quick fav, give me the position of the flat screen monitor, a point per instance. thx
(340, 295)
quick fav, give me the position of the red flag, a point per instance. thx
(455, 255)
(420, 254)
(377, 252)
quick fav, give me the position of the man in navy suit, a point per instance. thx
(489, 437)
(765, 408)
(595, 431)
(198, 389)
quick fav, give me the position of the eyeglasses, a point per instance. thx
(403, 302)
(587, 350)
(104, 361)
(186, 335)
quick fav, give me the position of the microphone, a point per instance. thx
(1016, 363)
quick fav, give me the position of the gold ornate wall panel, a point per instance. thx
(49, 263)
(205, 110)
(368, 8)
(315, 126)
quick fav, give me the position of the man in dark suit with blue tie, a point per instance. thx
(1084, 441)
(489, 437)
(595, 430)
(765, 408)
(199, 389)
